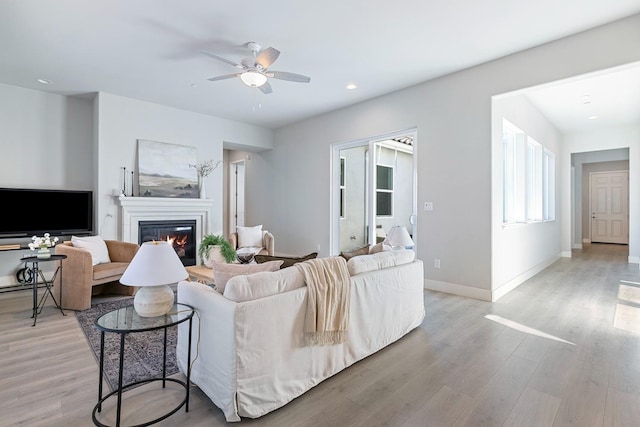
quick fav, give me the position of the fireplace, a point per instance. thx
(182, 234)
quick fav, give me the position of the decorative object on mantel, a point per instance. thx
(215, 248)
(154, 267)
(42, 244)
(131, 183)
(164, 170)
(204, 169)
(124, 181)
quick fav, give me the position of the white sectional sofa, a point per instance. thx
(251, 358)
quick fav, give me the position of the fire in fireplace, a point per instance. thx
(181, 233)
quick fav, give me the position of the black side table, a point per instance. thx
(125, 321)
(35, 272)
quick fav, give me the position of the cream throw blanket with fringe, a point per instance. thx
(328, 295)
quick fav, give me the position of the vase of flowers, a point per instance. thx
(204, 169)
(42, 245)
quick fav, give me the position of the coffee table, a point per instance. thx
(201, 274)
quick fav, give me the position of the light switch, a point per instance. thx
(428, 206)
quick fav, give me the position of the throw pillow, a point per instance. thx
(263, 284)
(249, 236)
(380, 247)
(95, 245)
(286, 261)
(362, 250)
(222, 272)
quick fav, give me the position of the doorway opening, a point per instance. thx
(373, 189)
(236, 195)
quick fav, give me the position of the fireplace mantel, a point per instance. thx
(135, 209)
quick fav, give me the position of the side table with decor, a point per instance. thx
(126, 321)
(43, 245)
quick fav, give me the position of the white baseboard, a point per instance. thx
(577, 246)
(518, 280)
(7, 281)
(633, 260)
(455, 289)
(565, 254)
(586, 241)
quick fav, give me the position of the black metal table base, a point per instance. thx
(48, 284)
(123, 329)
(184, 402)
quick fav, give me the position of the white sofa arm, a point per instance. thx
(213, 366)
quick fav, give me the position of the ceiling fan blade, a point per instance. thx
(219, 58)
(223, 77)
(292, 77)
(267, 57)
(266, 88)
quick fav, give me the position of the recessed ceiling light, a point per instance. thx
(351, 86)
(45, 81)
(593, 117)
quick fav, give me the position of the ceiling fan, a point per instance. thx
(255, 69)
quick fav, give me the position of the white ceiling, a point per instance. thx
(150, 49)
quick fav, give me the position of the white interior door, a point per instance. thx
(609, 207)
(236, 195)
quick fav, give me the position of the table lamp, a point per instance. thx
(398, 237)
(154, 267)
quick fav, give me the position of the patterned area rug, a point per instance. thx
(142, 353)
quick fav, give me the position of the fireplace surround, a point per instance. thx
(133, 210)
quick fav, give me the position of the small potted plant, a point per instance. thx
(216, 248)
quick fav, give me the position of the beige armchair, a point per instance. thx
(81, 279)
(268, 244)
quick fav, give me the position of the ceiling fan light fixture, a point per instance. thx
(253, 79)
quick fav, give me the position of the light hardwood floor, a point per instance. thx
(459, 368)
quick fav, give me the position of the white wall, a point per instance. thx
(452, 115)
(606, 139)
(519, 251)
(45, 140)
(122, 121)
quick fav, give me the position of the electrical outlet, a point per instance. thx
(436, 263)
(428, 206)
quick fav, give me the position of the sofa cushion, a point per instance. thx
(378, 261)
(287, 261)
(109, 269)
(222, 272)
(263, 284)
(361, 250)
(95, 245)
(250, 237)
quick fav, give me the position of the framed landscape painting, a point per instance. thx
(164, 171)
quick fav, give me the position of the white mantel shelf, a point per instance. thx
(135, 209)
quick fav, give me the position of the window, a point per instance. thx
(384, 190)
(548, 186)
(513, 173)
(528, 178)
(534, 180)
(342, 186)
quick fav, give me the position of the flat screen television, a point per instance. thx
(28, 212)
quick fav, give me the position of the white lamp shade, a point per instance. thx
(155, 263)
(399, 236)
(253, 79)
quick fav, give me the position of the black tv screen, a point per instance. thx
(29, 212)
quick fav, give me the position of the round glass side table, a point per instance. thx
(126, 321)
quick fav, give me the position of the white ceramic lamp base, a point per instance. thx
(152, 301)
